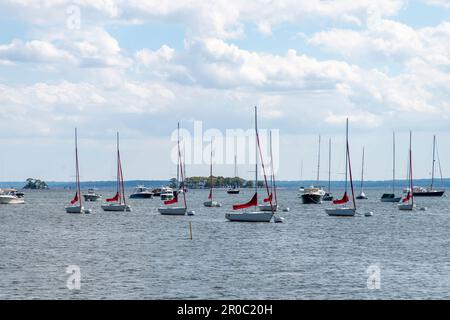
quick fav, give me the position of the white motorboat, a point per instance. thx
(167, 196)
(91, 195)
(9, 196)
(345, 211)
(141, 192)
(312, 195)
(118, 202)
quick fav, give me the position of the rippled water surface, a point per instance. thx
(143, 255)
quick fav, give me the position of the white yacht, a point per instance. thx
(9, 196)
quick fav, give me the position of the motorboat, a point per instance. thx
(91, 195)
(9, 196)
(141, 192)
(312, 195)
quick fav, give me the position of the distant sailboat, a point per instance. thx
(176, 210)
(257, 215)
(345, 211)
(430, 191)
(273, 187)
(408, 201)
(118, 202)
(390, 197)
(235, 188)
(328, 195)
(362, 195)
(76, 205)
(211, 203)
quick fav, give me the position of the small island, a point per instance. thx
(35, 184)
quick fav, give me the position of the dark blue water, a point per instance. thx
(143, 255)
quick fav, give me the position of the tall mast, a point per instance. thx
(256, 150)
(180, 166)
(346, 154)
(274, 187)
(211, 172)
(349, 169)
(178, 157)
(120, 177)
(318, 164)
(393, 162)
(410, 169)
(118, 164)
(329, 165)
(432, 166)
(77, 173)
(362, 171)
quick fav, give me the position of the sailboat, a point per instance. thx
(273, 187)
(344, 210)
(314, 195)
(176, 210)
(234, 189)
(211, 203)
(328, 195)
(430, 191)
(118, 202)
(408, 201)
(390, 197)
(76, 205)
(362, 195)
(257, 215)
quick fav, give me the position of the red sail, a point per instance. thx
(174, 200)
(75, 199)
(343, 200)
(115, 198)
(210, 194)
(408, 196)
(269, 199)
(252, 202)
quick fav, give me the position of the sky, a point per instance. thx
(141, 66)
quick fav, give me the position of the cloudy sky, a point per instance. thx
(140, 66)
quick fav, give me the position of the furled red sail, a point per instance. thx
(75, 199)
(408, 196)
(268, 199)
(115, 198)
(174, 200)
(343, 200)
(252, 202)
(210, 194)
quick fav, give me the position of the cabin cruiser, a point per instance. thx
(10, 196)
(425, 192)
(167, 194)
(141, 192)
(158, 191)
(233, 190)
(91, 195)
(312, 195)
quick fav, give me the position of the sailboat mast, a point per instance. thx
(432, 166)
(318, 164)
(274, 187)
(349, 169)
(211, 173)
(346, 155)
(256, 150)
(120, 177)
(180, 166)
(393, 162)
(362, 171)
(77, 168)
(329, 165)
(178, 157)
(410, 169)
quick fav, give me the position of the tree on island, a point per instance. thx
(35, 184)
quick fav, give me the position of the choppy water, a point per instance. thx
(142, 254)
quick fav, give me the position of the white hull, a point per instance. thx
(212, 204)
(75, 209)
(267, 207)
(406, 206)
(8, 199)
(341, 212)
(116, 207)
(90, 197)
(173, 211)
(258, 216)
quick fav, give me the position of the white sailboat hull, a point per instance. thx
(341, 212)
(75, 209)
(406, 206)
(256, 216)
(173, 211)
(9, 199)
(116, 207)
(267, 207)
(212, 204)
